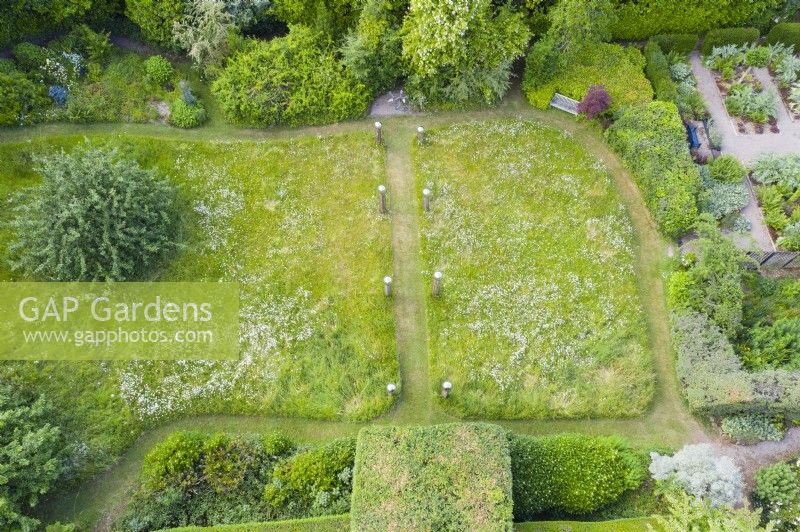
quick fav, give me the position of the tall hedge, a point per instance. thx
(682, 43)
(724, 36)
(294, 80)
(640, 19)
(657, 71)
(443, 477)
(652, 141)
(569, 474)
(786, 33)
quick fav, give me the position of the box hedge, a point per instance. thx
(652, 141)
(442, 477)
(327, 523)
(657, 71)
(681, 43)
(787, 33)
(571, 474)
(723, 36)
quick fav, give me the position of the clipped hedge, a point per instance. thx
(657, 71)
(652, 141)
(570, 473)
(787, 33)
(723, 36)
(443, 477)
(327, 523)
(640, 19)
(681, 43)
(714, 381)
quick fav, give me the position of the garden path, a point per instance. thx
(745, 148)
(667, 423)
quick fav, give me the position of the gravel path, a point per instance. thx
(747, 147)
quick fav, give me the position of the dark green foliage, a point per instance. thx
(777, 483)
(156, 18)
(443, 477)
(712, 284)
(159, 71)
(727, 169)
(202, 479)
(772, 324)
(332, 17)
(95, 217)
(787, 33)
(20, 99)
(657, 71)
(292, 80)
(652, 141)
(639, 19)
(313, 482)
(372, 52)
(570, 474)
(186, 116)
(723, 36)
(30, 57)
(93, 46)
(325, 523)
(31, 17)
(460, 57)
(30, 455)
(680, 43)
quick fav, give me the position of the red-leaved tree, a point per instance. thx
(596, 102)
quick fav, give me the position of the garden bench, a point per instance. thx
(564, 103)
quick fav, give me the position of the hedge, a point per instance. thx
(657, 71)
(786, 33)
(714, 381)
(682, 43)
(442, 477)
(634, 524)
(652, 141)
(723, 36)
(328, 523)
(640, 19)
(571, 474)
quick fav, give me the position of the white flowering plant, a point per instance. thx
(539, 314)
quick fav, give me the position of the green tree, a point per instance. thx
(157, 18)
(30, 462)
(460, 53)
(332, 17)
(20, 99)
(578, 24)
(203, 34)
(95, 217)
(292, 80)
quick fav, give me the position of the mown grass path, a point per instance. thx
(667, 422)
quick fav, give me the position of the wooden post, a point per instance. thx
(382, 199)
(420, 135)
(426, 200)
(387, 286)
(447, 386)
(378, 133)
(437, 284)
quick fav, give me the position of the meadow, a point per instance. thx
(539, 315)
(296, 223)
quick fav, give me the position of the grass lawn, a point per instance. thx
(296, 223)
(540, 315)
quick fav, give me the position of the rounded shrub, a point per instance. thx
(95, 217)
(777, 484)
(159, 71)
(758, 56)
(20, 99)
(30, 57)
(787, 33)
(727, 169)
(569, 473)
(186, 116)
(173, 462)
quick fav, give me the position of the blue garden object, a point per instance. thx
(58, 94)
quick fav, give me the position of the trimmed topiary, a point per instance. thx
(159, 70)
(725, 36)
